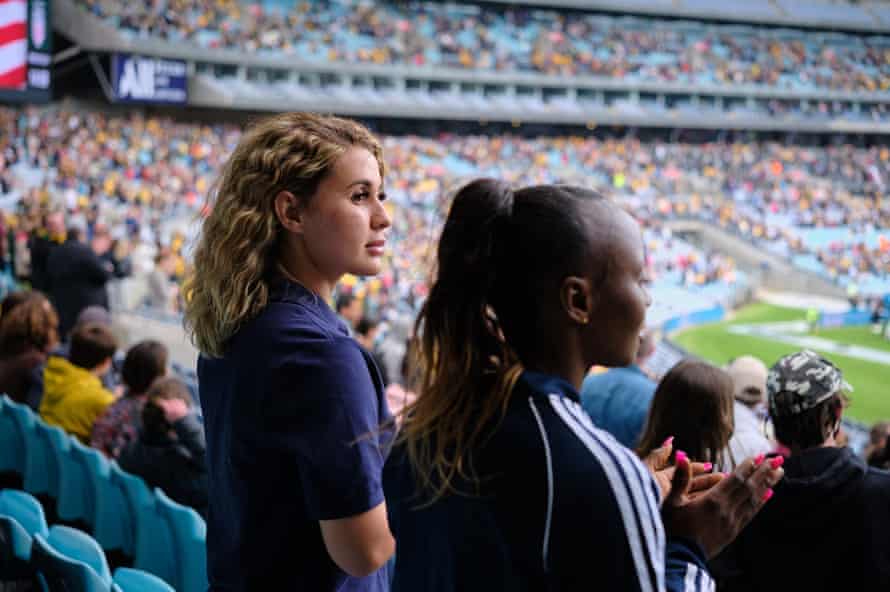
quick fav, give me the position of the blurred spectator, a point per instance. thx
(749, 389)
(119, 424)
(73, 395)
(618, 400)
(403, 392)
(349, 308)
(169, 452)
(161, 290)
(827, 522)
(77, 279)
(692, 404)
(876, 452)
(28, 333)
(41, 244)
(366, 331)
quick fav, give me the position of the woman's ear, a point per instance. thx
(577, 299)
(289, 211)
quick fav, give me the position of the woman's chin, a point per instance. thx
(367, 268)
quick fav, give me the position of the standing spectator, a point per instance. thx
(350, 309)
(43, 242)
(73, 395)
(28, 333)
(827, 524)
(119, 425)
(693, 405)
(366, 334)
(618, 400)
(292, 404)
(77, 279)
(170, 448)
(402, 392)
(497, 473)
(749, 389)
(161, 290)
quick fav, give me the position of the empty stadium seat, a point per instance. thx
(153, 541)
(25, 509)
(110, 519)
(136, 580)
(41, 460)
(15, 422)
(78, 545)
(189, 543)
(15, 544)
(61, 572)
(76, 499)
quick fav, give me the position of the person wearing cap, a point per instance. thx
(749, 390)
(828, 524)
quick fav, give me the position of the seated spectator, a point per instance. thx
(73, 395)
(366, 334)
(169, 452)
(749, 388)
(827, 524)
(28, 332)
(877, 452)
(692, 404)
(119, 425)
(161, 289)
(618, 400)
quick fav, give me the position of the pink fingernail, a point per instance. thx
(758, 460)
(708, 466)
(681, 457)
(667, 442)
(767, 495)
(726, 475)
(777, 462)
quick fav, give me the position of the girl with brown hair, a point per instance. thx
(692, 404)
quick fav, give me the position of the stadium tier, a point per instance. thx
(490, 62)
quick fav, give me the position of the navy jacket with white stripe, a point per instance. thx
(559, 505)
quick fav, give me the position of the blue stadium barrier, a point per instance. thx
(699, 317)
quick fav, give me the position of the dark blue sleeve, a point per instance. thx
(685, 569)
(326, 415)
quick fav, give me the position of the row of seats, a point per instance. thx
(162, 537)
(62, 558)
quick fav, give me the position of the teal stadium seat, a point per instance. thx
(41, 460)
(112, 525)
(15, 422)
(76, 500)
(153, 541)
(63, 573)
(189, 543)
(25, 509)
(78, 545)
(135, 580)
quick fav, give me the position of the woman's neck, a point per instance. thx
(315, 283)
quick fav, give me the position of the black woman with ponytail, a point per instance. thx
(498, 480)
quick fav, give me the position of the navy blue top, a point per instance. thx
(618, 401)
(292, 415)
(560, 505)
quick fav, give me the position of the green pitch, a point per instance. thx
(871, 381)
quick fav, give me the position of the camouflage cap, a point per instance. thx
(800, 381)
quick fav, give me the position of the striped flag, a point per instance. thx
(13, 43)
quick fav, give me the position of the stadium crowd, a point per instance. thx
(136, 183)
(514, 39)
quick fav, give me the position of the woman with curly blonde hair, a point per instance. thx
(291, 402)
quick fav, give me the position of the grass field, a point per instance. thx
(871, 381)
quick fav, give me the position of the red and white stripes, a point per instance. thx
(13, 43)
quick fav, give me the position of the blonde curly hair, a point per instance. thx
(237, 249)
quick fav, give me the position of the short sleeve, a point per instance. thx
(323, 411)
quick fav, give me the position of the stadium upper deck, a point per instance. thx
(476, 61)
